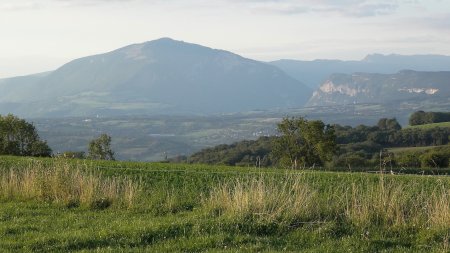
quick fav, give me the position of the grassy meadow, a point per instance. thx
(432, 125)
(78, 205)
(413, 149)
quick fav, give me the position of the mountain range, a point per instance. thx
(167, 77)
(314, 73)
(164, 76)
(404, 86)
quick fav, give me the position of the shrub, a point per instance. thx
(408, 159)
(434, 159)
(350, 160)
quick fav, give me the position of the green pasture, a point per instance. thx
(197, 208)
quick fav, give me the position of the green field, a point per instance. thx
(68, 205)
(428, 126)
(405, 149)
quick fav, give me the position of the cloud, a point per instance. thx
(344, 8)
(20, 6)
(91, 2)
(440, 22)
(354, 8)
(370, 9)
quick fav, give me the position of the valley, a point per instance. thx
(167, 98)
(152, 138)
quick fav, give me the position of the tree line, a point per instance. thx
(300, 143)
(303, 143)
(421, 118)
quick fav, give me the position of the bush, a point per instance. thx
(350, 160)
(408, 159)
(434, 159)
(100, 148)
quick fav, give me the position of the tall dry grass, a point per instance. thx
(397, 204)
(363, 203)
(438, 207)
(265, 200)
(68, 185)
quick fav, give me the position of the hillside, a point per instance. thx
(13, 90)
(157, 77)
(197, 208)
(412, 87)
(432, 125)
(313, 73)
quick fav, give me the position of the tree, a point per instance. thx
(304, 143)
(18, 137)
(389, 124)
(417, 118)
(421, 117)
(100, 148)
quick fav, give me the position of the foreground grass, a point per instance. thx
(61, 184)
(194, 208)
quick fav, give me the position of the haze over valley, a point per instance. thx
(176, 81)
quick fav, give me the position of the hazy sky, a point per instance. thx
(41, 35)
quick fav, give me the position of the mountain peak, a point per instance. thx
(164, 40)
(162, 76)
(375, 57)
(160, 41)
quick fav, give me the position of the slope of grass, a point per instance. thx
(419, 149)
(433, 125)
(193, 208)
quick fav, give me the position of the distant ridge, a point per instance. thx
(313, 73)
(163, 76)
(407, 86)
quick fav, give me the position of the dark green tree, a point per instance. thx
(421, 117)
(304, 143)
(417, 118)
(100, 148)
(389, 124)
(18, 137)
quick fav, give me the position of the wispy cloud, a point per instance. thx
(91, 2)
(369, 9)
(355, 8)
(440, 22)
(20, 6)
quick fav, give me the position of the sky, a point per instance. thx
(42, 35)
